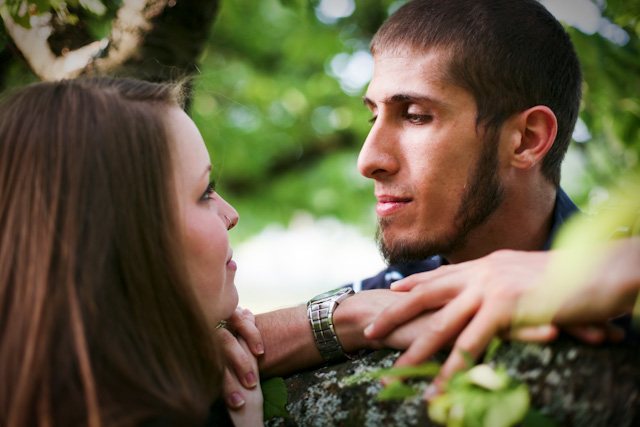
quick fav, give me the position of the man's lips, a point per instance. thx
(388, 205)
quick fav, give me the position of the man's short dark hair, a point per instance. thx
(509, 54)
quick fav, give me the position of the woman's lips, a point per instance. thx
(231, 264)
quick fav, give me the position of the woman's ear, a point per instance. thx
(536, 131)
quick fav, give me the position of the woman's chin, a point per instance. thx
(231, 300)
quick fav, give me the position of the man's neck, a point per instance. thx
(523, 222)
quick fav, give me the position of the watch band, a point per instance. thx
(320, 311)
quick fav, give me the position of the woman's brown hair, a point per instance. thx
(98, 325)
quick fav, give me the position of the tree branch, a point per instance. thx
(150, 39)
(36, 51)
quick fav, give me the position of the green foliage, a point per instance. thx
(426, 370)
(284, 132)
(274, 392)
(480, 396)
(285, 135)
(397, 389)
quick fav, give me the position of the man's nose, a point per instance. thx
(377, 156)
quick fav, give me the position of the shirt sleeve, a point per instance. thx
(386, 277)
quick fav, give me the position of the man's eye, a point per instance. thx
(419, 118)
(372, 120)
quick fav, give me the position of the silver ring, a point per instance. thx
(230, 226)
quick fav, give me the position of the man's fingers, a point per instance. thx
(416, 279)
(238, 358)
(411, 305)
(244, 323)
(475, 338)
(596, 334)
(440, 329)
(539, 333)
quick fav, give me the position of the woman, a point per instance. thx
(115, 264)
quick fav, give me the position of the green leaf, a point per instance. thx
(491, 350)
(428, 370)
(534, 418)
(486, 377)
(439, 407)
(468, 358)
(397, 390)
(509, 407)
(95, 6)
(274, 392)
(466, 403)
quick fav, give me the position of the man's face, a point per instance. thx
(435, 178)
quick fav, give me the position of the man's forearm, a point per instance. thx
(289, 345)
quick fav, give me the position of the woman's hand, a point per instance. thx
(241, 372)
(245, 404)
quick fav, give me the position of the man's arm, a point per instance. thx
(289, 345)
(526, 295)
(288, 342)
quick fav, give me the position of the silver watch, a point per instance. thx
(320, 310)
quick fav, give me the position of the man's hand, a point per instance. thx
(477, 300)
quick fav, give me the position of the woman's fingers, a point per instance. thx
(249, 413)
(244, 323)
(238, 359)
(232, 390)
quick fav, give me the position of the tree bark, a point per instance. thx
(572, 383)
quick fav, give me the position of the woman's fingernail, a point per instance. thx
(236, 400)
(251, 379)
(259, 348)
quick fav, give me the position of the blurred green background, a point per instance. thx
(278, 92)
(278, 100)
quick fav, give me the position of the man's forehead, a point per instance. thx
(404, 73)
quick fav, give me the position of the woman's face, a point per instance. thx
(205, 219)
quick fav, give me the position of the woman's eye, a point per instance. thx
(372, 120)
(210, 191)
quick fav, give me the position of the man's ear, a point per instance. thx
(536, 131)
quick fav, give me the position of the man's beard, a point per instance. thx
(482, 197)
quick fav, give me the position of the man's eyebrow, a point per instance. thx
(402, 97)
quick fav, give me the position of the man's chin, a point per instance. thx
(397, 250)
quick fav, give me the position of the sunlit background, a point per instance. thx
(288, 262)
(278, 98)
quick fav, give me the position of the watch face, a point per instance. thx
(332, 293)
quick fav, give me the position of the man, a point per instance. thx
(473, 105)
